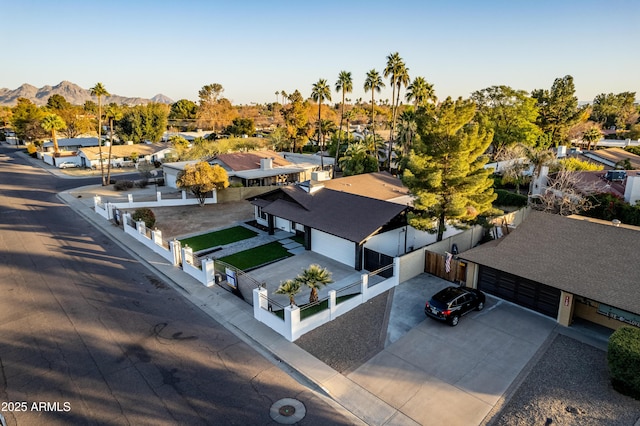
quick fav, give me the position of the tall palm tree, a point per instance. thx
(592, 135)
(113, 113)
(290, 288)
(52, 123)
(374, 83)
(319, 93)
(277, 96)
(99, 91)
(344, 85)
(420, 92)
(398, 75)
(314, 277)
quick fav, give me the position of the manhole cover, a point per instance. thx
(287, 411)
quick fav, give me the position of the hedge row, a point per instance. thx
(623, 357)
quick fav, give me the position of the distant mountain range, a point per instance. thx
(73, 93)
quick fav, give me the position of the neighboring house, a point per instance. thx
(563, 267)
(124, 155)
(189, 136)
(260, 168)
(611, 156)
(624, 184)
(70, 144)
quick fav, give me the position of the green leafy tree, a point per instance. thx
(57, 103)
(296, 120)
(242, 126)
(183, 109)
(373, 83)
(615, 110)
(445, 171)
(558, 109)
(289, 288)
(511, 114)
(52, 123)
(279, 139)
(321, 91)
(202, 178)
(314, 277)
(344, 85)
(143, 123)
(420, 92)
(357, 160)
(25, 120)
(77, 121)
(99, 91)
(113, 113)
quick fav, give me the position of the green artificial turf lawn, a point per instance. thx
(257, 256)
(218, 238)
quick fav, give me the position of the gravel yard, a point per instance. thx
(568, 385)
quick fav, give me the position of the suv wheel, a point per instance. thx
(480, 306)
(454, 320)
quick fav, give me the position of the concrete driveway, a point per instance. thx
(438, 374)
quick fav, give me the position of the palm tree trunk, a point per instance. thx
(320, 136)
(110, 145)
(339, 135)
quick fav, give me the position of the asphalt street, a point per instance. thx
(88, 335)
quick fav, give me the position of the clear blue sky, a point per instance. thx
(255, 48)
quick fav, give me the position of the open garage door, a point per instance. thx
(530, 294)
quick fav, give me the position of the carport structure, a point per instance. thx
(564, 267)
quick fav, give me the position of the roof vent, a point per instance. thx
(615, 222)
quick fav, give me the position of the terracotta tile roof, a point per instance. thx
(240, 161)
(595, 260)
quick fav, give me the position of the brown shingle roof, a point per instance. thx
(240, 161)
(617, 154)
(379, 185)
(593, 260)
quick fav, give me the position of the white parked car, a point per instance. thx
(67, 165)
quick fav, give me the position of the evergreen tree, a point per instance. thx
(558, 109)
(445, 170)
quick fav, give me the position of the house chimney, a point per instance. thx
(266, 163)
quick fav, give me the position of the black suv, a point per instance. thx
(453, 302)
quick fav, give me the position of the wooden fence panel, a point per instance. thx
(435, 265)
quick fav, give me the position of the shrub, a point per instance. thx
(123, 185)
(142, 183)
(623, 357)
(146, 215)
(507, 198)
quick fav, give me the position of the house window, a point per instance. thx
(262, 214)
